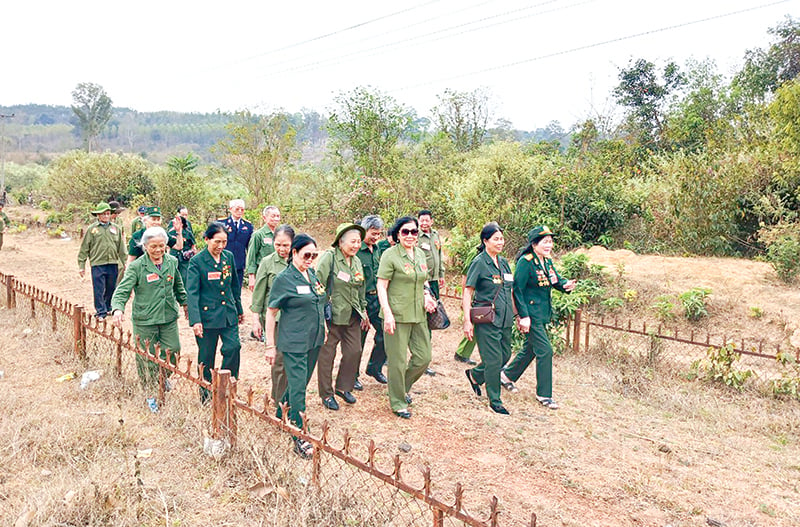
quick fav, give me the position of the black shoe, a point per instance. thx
(499, 409)
(404, 414)
(358, 386)
(475, 386)
(409, 400)
(379, 376)
(348, 397)
(304, 449)
(430, 372)
(330, 403)
(465, 360)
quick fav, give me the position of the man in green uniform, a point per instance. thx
(138, 222)
(4, 223)
(370, 256)
(104, 246)
(261, 243)
(183, 212)
(152, 218)
(431, 245)
(466, 346)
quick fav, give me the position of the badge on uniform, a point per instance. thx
(424, 267)
(425, 246)
(153, 277)
(214, 275)
(112, 230)
(508, 277)
(553, 277)
(344, 277)
(496, 279)
(94, 231)
(268, 241)
(303, 289)
(407, 267)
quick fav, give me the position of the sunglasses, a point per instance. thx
(409, 232)
(309, 256)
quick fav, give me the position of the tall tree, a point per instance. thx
(463, 117)
(92, 108)
(258, 147)
(765, 70)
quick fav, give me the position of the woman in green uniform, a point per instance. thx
(158, 289)
(404, 297)
(299, 298)
(270, 267)
(187, 249)
(490, 283)
(534, 278)
(215, 307)
(342, 270)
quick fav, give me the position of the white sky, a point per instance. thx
(203, 56)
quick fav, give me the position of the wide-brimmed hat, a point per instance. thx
(153, 211)
(343, 228)
(539, 232)
(115, 206)
(101, 208)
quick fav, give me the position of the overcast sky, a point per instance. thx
(540, 60)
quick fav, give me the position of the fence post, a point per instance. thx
(576, 339)
(54, 319)
(438, 518)
(79, 334)
(10, 291)
(586, 338)
(33, 307)
(223, 391)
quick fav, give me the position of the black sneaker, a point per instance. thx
(465, 360)
(358, 386)
(348, 397)
(379, 376)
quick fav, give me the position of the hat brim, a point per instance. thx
(99, 212)
(351, 227)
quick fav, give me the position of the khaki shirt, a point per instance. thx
(406, 280)
(493, 284)
(268, 269)
(431, 245)
(261, 245)
(348, 291)
(102, 244)
(156, 292)
(302, 324)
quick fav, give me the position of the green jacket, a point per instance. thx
(407, 278)
(213, 296)
(302, 323)
(260, 246)
(137, 224)
(4, 222)
(370, 260)
(157, 293)
(102, 244)
(431, 245)
(188, 243)
(533, 280)
(492, 284)
(268, 269)
(347, 292)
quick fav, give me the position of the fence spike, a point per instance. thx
(659, 329)
(189, 366)
(708, 338)
(325, 429)
(691, 337)
(250, 396)
(644, 327)
(724, 340)
(459, 497)
(371, 453)
(629, 324)
(676, 332)
(760, 345)
(305, 422)
(533, 519)
(346, 446)
(426, 475)
(396, 471)
(265, 408)
(284, 407)
(493, 512)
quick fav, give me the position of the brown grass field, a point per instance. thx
(627, 448)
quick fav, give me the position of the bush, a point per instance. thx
(718, 366)
(784, 256)
(44, 205)
(694, 303)
(664, 307)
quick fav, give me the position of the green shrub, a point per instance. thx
(613, 302)
(694, 303)
(574, 266)
(789, 383)
(756, 312)
(784, 256)
(44, 205)
(664, 307)
(718, 366)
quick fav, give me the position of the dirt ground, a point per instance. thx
(678, 453)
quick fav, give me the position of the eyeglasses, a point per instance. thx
(409, 232)
(309, 256)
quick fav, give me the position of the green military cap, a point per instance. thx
(153, 211)
(343, 228)
(537, 233)
(101, 208)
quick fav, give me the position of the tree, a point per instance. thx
(646, 96)
(181, 185)
(766, 70)
(257, 148)
(463, 116)
(92, 108)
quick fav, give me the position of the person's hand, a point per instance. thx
(257, 326)
(270, 355)
(251, 282)
(469, 329)
(176, 224)
(430, 304)
(524, 324)
(116, 319)
(241, 318)
(365, 325)
(388, 324)
(82, 273)
(198, 330)
(570, 285)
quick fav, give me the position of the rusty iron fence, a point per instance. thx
(348, 471)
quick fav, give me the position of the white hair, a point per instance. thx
(152, 233)
(269, 208)
(236, 203)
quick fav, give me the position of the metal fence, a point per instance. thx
(362, 486)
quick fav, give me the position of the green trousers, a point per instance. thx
(494, 345)
(402, 373)
(299, 367)
(466, 347)
(207, 352)
(165, 335)
(537, 344)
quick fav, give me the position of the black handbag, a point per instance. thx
(438, 319)
(327, 310)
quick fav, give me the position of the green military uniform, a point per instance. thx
(534, 277)
(104, 246)
(494, 339)
(270, 267)
(261, 245)
(214, 301)
(466, 346)
(301, 331)
(188, 243)
(137, 224)
(406, 299)
(4, 222)
(431, 245)
(382, 245)
(348, 302)
(157, 293)
(370, 260)
(135, 244)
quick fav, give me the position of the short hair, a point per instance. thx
(424, 212)
(180, 208)
(213, 228)
(373, 221)
(269, 208)
(394, 232)
(152, 233)
(284, 229)
(300, 241)
(236, 203)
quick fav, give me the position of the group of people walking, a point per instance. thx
(305, 313)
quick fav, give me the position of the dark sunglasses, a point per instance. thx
(407, 232)
(309, 256)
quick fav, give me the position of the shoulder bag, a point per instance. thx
(438, 319)
(484, 314)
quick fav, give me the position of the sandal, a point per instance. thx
(549, 403)
(506, 383)
(303, 448)
(475, 386)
